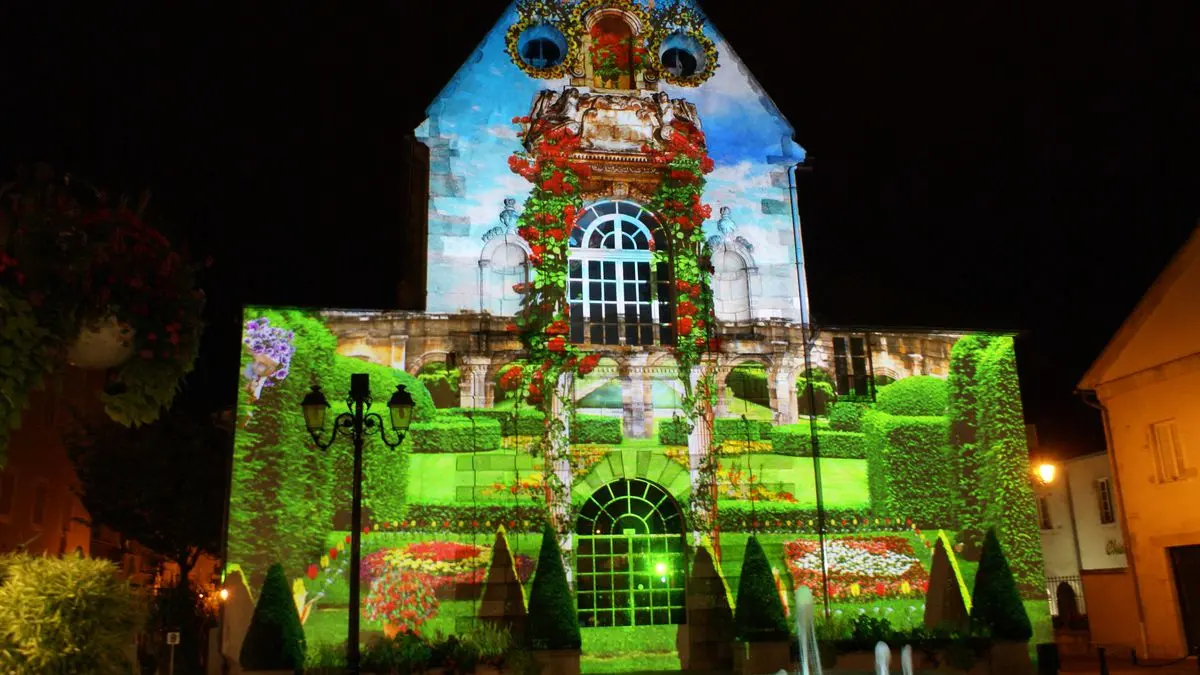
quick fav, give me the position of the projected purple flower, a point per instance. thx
(272, 349)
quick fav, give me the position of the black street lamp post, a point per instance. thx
(357, 424)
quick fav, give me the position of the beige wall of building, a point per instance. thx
(1147, 382)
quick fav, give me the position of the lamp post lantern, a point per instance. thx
(357, 424)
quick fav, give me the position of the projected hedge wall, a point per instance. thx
(922, 454)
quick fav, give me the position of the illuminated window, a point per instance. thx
(617, 293)
(40, 494)
(850, 366)
(8, 491)
(1168, 453)
(1105, 501)
(1043, 513)
(630, 557)
(731, 285)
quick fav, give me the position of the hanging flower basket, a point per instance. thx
(104, 290)
(103, 343)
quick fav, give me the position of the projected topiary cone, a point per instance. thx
(275, 641)
(762, 628)
(997, 611)
(553, 625)
(503, 598)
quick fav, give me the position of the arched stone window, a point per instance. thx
(503, 265)
(731, 284)
(617, 293)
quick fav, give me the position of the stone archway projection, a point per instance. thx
(630, 560)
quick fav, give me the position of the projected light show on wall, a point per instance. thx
(616, 346)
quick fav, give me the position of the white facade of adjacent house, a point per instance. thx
(1080, 526)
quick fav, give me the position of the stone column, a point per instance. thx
(783, 388)
(633, 395)
(649, 374)
(699, 457)
(722, 392)
(399, 351)
(559, 462)
(471, 391)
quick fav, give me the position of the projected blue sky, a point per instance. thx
(749, 141)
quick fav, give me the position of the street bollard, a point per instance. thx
(1047, 659)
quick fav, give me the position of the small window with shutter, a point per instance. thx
(1168, 453)
(1104, 500)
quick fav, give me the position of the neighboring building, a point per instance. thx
(1081, 531)
(616, 339)
(1147, 385)
(39, 510)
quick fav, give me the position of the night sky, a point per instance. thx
(974, 165)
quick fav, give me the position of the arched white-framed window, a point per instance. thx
(732, 267)
(617, 293)
(503, 264)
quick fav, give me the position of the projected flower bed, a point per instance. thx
(445, 563)
(859, 567)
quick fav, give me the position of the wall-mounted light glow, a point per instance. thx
(1046, 472)
(224, 593)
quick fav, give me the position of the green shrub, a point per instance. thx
(796, 440)
(735, 429)
(749, 382)
(847, 415)
(917, 396)
(404, 653)
(674, 431)
(759, 614)
(996, 607)
(907, 471)
(597, 429)
(65, 615)
(523, 422)
(822, 396)
(468, 517)
(764, 428)
(449, 433)
(1010, 507)
(785, 518)
(553, 621)
(275, 639)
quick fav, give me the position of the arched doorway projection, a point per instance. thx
(630, 561)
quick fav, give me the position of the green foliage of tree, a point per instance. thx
(275, 639)
(1006, 475)
(963, 407)
(285, 492)
(917, 396)
(553, 621)
(996, 607)
(442, 383)
(65, 615)
(160, 485)
(759, 614)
